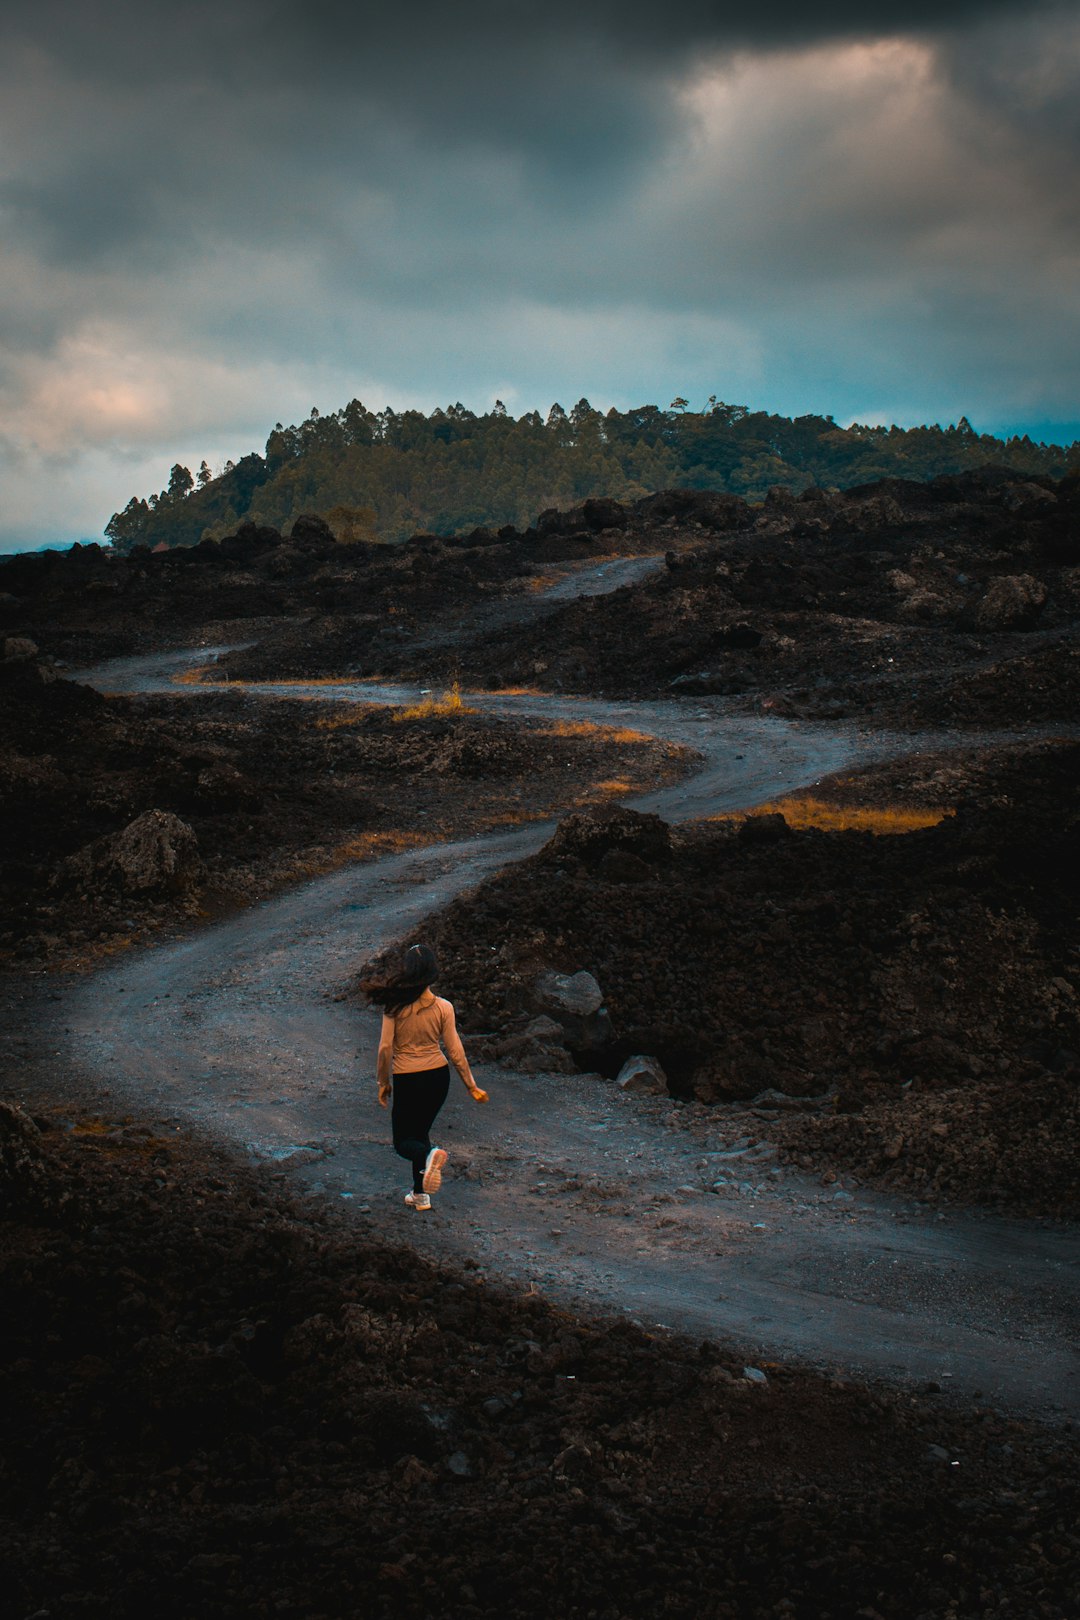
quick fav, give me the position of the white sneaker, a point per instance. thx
(418, 1200)
(433, 1169)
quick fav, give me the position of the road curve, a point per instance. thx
(562, 1182)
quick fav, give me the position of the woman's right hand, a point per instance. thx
(384, 1093)
(479, 1094)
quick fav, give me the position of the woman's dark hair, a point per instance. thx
(418, 969)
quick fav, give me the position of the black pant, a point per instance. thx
(417, 1100)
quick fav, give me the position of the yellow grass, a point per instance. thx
(590, 728)
(367, 845)
(615, 784)
(882, 820)
(512, 691)
(191, 677)
(451, 702)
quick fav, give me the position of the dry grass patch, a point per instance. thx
(882, 820)
(592, 728)
(431, 708)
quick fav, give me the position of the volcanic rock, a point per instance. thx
(642, 1076)
(1012, 602)
(311, 532)
(19, 648)
(589, 835)
(157, 852)
(575, 1005)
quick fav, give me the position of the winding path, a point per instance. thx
(562, 1182)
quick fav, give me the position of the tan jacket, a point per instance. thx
(422, 1036)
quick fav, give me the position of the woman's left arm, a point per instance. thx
(385, 1062)
(456, 1053)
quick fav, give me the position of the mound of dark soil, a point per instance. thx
(217, 1403)
(926, 982)
(242, 795)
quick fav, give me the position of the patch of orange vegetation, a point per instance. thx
(367, 846)
(513, 818)
(305, 680)
(591, 728)
(615, 784)
(510, 691)
(192, 677)
(882, 820)
(92, 1127)
(451, 702)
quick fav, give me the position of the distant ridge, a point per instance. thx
(387, 475)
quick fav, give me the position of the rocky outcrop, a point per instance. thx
(1012, 602)
(642, 1076)
(19, 649)
(591, 834)
(157, 853)
(574, 1003)
(311, 532)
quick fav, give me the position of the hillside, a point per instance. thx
(387, 475)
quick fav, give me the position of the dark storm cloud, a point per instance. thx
(212, 215)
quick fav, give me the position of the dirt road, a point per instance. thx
(656, 1209)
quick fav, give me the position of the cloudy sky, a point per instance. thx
(216, 215)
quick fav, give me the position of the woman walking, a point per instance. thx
(418, 1034)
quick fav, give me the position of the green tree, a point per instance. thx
(181, 483)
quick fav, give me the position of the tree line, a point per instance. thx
(387, 475)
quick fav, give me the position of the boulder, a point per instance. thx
(601, 513)
(643, 1076)
(587, 835)
(879, 512)
(763, 829)
(311, 532)
(542, 1057)
(20, 649)
(543, 1029)
(156, 851)
(575, 1004)
(575, 994)
(1011, 602)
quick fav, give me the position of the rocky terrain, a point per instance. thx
(911, 605)
(120, 815)
(914, 995)
(221, 1401)
(218, 1402)
(87, 604)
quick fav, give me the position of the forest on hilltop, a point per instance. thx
(387, 475)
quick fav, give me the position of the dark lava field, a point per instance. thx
(220, 1399)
